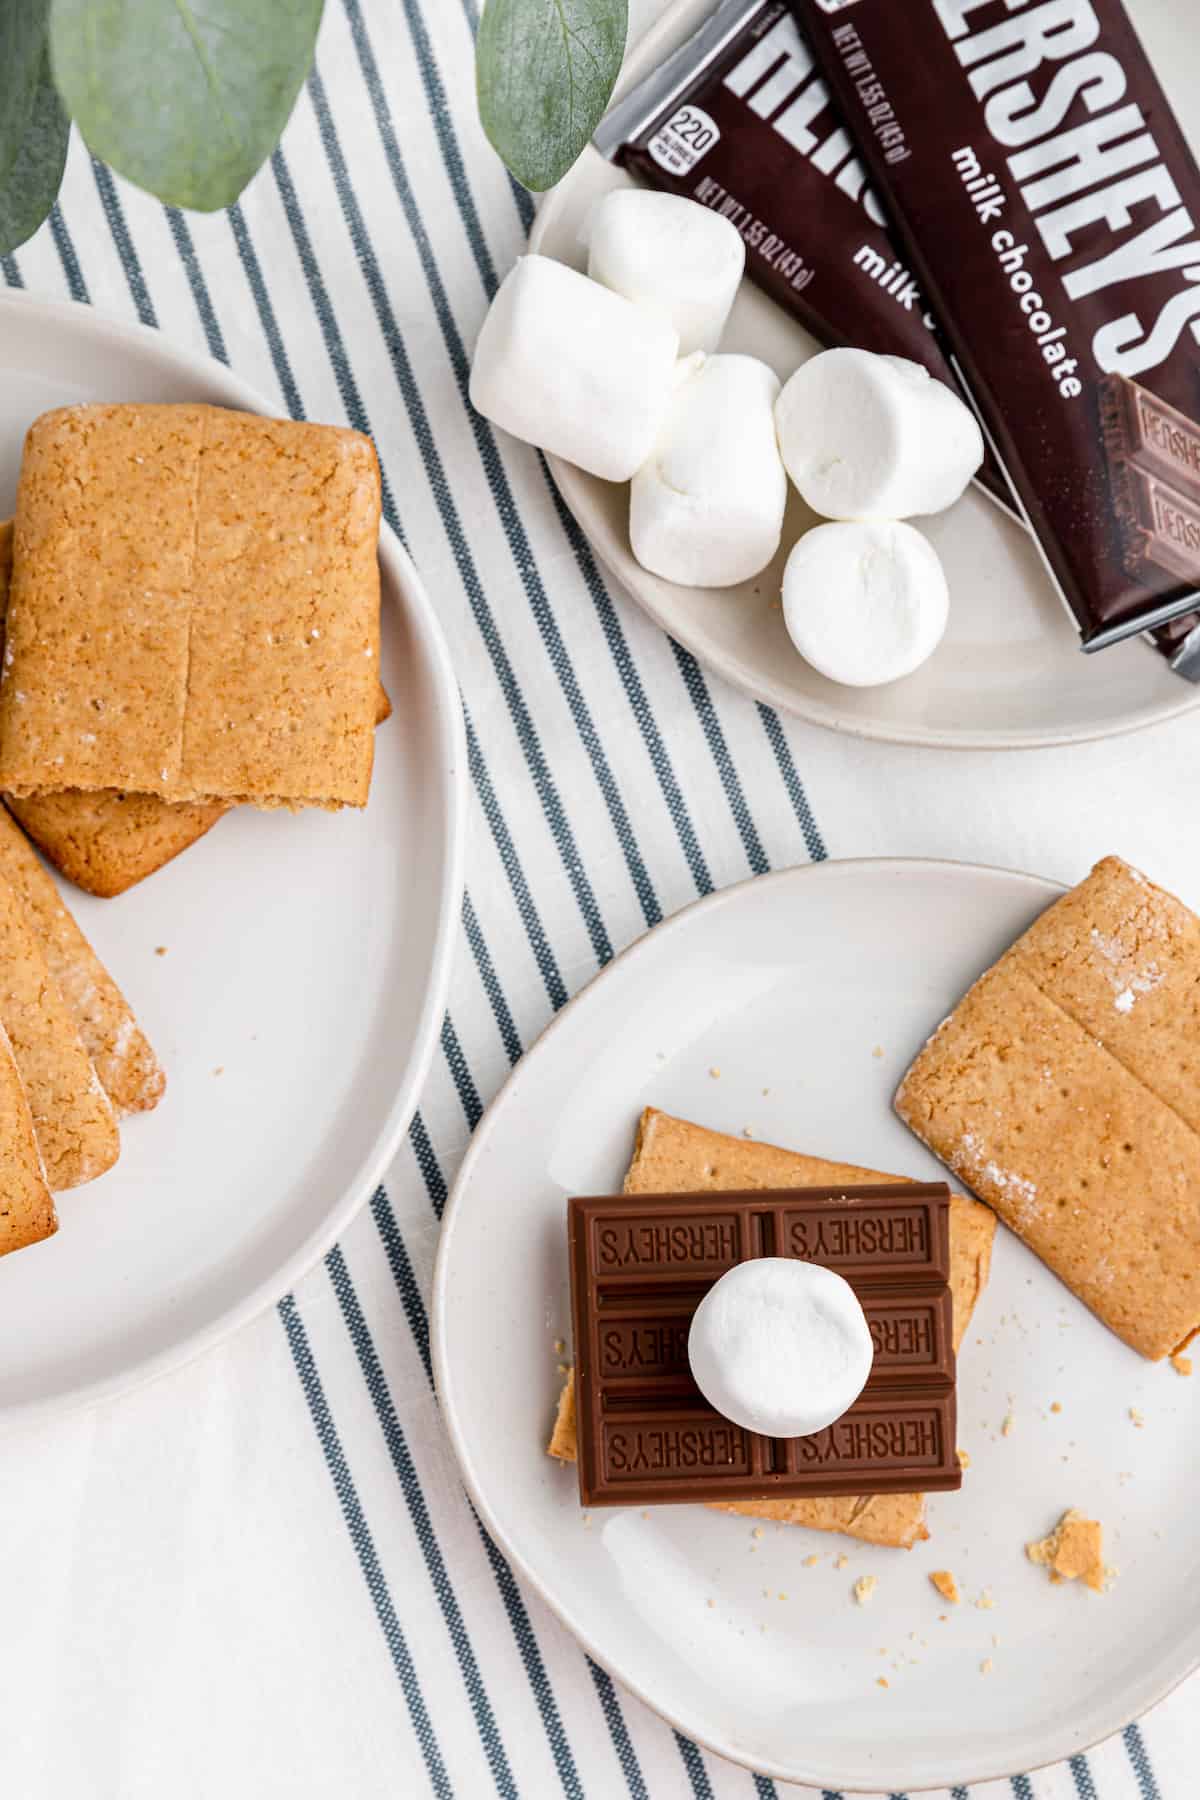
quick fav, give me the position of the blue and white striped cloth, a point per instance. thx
(261, 1577)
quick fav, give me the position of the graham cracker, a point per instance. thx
(128, 1068)
(26, 1205)
(674, 1156)
(107, 841)
(1060, 1091)
(73, 1118)
(194, 610)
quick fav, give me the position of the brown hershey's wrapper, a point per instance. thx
(640, 1264)
(1031, 166)
(741, 120)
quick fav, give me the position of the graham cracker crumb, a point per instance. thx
(560, 1345)
(1138, 1418)
(964, 1459)
(1073, 1550)
(986, 1666)
(985, 1602)
(757, 1532)
(864, 1587)
(843, 1562)
(1181, 1364)
(715, 1074)
(1055, 1407)
(810, 1562)
(1006, 1430)
(882, 1681)
(877, 1051)
(946, 1585)
(160, 949)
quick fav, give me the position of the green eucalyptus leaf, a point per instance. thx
(186, 97)
(545, 70)
(29, 186)
(22, 41)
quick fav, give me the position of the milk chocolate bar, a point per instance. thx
(640, 1265)
(1049, 204)
(740, 120)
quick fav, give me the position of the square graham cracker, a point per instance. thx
(1065, 1090)
(194, 609)
(674, 1156)
(107, 841)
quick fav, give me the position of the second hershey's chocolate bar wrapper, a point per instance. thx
(1050, 204)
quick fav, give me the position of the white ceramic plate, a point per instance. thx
(297, 1005)
(789, 985)
(1009, 672)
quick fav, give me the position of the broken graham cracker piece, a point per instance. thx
(675, 1156)
(128, 1069)
(1072, 1113)
(73, 1118)
(564, 1441)
(106, 842)
(194, 609)
(946, 1585)
(26, 1204)
(1074, 1550)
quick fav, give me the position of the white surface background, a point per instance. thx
(181, 1581)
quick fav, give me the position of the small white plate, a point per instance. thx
(791, 986)
(1009, 673)
(297, 1005)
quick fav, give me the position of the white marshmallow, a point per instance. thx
(564, 364)
(865, 603)
(875, 437)
(780, 1347)
(706, 508)
(669, 254)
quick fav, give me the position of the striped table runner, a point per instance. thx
(261, 1576)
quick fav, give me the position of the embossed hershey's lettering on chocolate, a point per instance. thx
(1154, 470)
(908, 1335)
(644, 1346)
(863, 1439)
(840, 1239)
(640, 1266)
(637, 1449)
(661, 1243)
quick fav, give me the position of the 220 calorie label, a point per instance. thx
(686, 136)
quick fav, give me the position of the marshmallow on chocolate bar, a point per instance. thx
(579, 371)
(865, 603)
(706, 508)
(671, 255)
(781, 1347)
(875, 437)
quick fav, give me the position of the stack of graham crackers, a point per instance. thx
(189, 610)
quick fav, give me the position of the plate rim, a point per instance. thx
(451, 762)
(827, 869)
(654, 44)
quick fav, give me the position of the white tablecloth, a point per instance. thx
(260, 1577)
